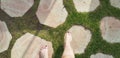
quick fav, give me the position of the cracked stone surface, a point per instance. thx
(101, 55)
(16, 8)
(28, 46)
(81, 38)
(86, 5)
(5, 37)
(110, 29)
(51, 13)
(115, 3)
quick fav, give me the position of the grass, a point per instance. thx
(29, 23)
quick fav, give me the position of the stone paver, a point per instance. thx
(16, 8)
(101, 55)
(115, 3)
(81, 38)
(51, 12)
(28, 46)
(86, 5)
(110, 29)
(5, 37)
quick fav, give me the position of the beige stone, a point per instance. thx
(16, 8)
(101, 55)
(110, 29)
(5, 37)
(86, 5)
(51, 12)
(81, 38)
(115, 3)
(28, 46)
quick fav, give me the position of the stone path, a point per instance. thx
(51, 12)
(16, 8)
(86, 5)
(5, 37)
(81, 38)
(28, 46)
(101, 55)
(110, 29)
(115, 3)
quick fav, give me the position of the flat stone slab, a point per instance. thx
(16, 8)
(110, 29)
(28, 46)
(5, 37)
(86, 5)
(51, 12)
(101, 55)
(81, 38)
(115, 3)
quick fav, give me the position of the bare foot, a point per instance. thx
(44, 52)
(68, 37)
(68, 51)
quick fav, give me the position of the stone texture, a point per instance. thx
(115, 3)
(51, 12)
(86, 5)
(81, 38)
(5, 37)
(16, 8)
(101, 55)
(28, 46)
(110, 29)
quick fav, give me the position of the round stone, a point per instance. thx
(51, 12)
(28, 46)
(115, 3)
(5, 37)
(110, 29)
(101, 55)
(16, 8)
(86, 5)
(81, 38)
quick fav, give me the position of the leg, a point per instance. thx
(44, 52)
(68, 51)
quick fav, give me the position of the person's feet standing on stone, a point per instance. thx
(68, 51)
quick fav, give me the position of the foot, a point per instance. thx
(68, 37)
(44, 52)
